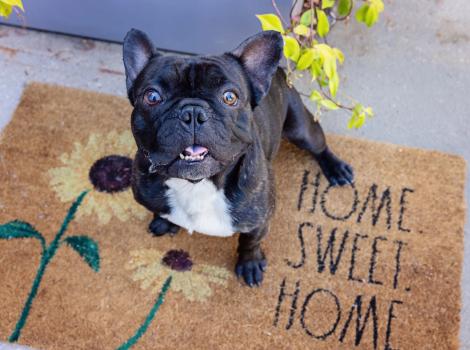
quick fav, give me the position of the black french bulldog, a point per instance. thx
(207, 130)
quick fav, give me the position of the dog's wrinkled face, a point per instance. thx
(193, 116)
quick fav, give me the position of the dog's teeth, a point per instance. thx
(192, 158)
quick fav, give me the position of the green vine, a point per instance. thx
(307, 50)
(83, 245)
(143, 328)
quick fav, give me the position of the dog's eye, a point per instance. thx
(152, 97)
(230, 98)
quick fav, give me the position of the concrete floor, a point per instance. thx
(413, 67)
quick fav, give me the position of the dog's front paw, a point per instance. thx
(335, 170)
(251, 271)
(160, 226)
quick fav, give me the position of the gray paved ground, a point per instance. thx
(413, 68)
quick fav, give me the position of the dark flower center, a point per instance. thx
(177, 260)
(111, 174)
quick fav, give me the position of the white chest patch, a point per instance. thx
(199, 207)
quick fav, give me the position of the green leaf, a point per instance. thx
(359, 116)
(17, 3)
(344, 7)
(369, 111)
(329, 66)
(270, 21)
(306, 59)
(321, 79)
(357, 121)
(333, 85)
(371, 16)
(87, 249)
(324, 50)
(328, 59)
(378, 4)
(361, 13)
(19, 229)
(291, 48)
(351, 122)
(329, 104)
(361, 120)
(316, 96)
(339, 55)
(327, 4)
(5, 10)
(301, 30)
(323, 26)
(315, 69)
(357, 108)
(306, 18)
(354, 120)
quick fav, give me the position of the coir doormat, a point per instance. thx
(375, 265)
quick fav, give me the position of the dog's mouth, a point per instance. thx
(194, 153)
(194, 163)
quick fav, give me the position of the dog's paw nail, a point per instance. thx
(251, 271)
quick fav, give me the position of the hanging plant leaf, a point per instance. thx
(306, 59)
(17, 3)
(323, 26)
(271, 22)
(87, 248)
(5, 9)
(307, 17)
(302, 30)
(327, 4)
(344, 7)
(291, 48)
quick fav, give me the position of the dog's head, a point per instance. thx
(193, 116)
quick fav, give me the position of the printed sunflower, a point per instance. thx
(103, 163)
(151, 268)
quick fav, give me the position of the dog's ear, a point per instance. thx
(260, 56)
(137, 51)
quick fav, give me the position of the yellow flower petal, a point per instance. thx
(72, 177)
(193, 284)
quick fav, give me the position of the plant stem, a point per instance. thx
(143, 328)
(279, 12)
(32, 294)
(47, 254)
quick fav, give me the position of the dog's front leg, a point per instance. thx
(251, 260)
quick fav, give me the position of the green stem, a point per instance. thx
(143, 328)
(32, 294)
(69, 217)
(47, 254)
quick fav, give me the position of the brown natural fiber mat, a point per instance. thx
(372, 266)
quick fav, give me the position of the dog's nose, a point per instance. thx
(193, 113)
